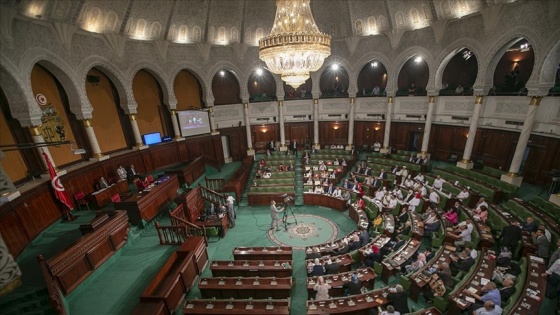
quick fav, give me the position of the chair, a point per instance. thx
(212, 231)
(479, 164)
(81, 200)
(453, 158)
(116, 198)
(149, 179)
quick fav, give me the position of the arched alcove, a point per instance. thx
(225, 88)
(302, 92)
(372, 79)
(149, 97)
(460, 73)
(413, 77)
(106, 116)
(13, 161)
(261, 86)
(188, 91)
(555, 90)
(334, 81)
(514, 69)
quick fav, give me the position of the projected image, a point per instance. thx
(193, 122)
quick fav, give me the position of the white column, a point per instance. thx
(466, 161)
(96, 154)
(385, 148)
(11, 274)
(8, 192)
(213, 121)
(428, 126)
(136, 131)
(512, 176)
(282, 128)
(37, 137)
(175, 124)
(316, 123)
(250, 150)
(351, 123)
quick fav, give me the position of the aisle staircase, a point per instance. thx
(298, 185)
(27, 301)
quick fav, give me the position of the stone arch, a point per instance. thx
(225, 65)
(449, 52)
(250, 68)
(402, 58)
(111, 71)
(365, 59)
(547, 70)
(197, 72)
(168, 95)
(501, 45)
(65, 74)
(352, 78)
(19, 95)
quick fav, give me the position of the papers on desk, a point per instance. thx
(221, 282)
(273, 282)
(351, 303)
(189, 306)
(369, 299)
(332, 305)
(470, 299)
(269, 307)
(256, 282)
(484, 281)
(209, 306)
(472, 290)
(312, 307)
(229, 307)
(238, 282)
(537, 259)
(249, 307)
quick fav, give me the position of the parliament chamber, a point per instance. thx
(153, 160)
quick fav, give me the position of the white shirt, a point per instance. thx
(438, 183)
(230, 200)
(434, 197)
(555, 268)
(337, 193)
(379, 195)
(319, 190)
(465, 235)
(481, 204)
(463, 195)
(419, 178)
(392, 203)
(423, 191)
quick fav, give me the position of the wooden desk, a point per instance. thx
(328, 248)
(146, 205)
(244, 288)
(197, 246)
(483, 270)
(417, 225)
(221, 223)
(101, 198)
(366, 276)
(263, 253)
(345, 262)
(379, 241)
(419, 281)
(359, 216)
(429, 311)
(324, 201)
(222, 307)
(527, 242)
(352, 305)
(392, 263)
(388, 224)
(527, 303)
(251, 268)
(72, 266)
(540, 214)
(189, 172)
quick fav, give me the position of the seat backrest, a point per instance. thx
(116, 198)
(79, 195)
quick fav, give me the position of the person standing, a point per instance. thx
(229, 202)
(121, 171)
(322, 289)
(274, 216)
(293, 146)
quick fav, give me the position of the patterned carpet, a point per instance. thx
(308, 231)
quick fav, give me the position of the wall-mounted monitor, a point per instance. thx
(152, 138)
(193, 122)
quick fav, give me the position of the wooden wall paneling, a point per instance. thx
(447, 140)
(12, 229)
(218, 149)
(83, 179)
(543, 157)
(262, 134)
(402, 134)
(147, 161)
(127, 159)
(368, 132)
(183, 151)
(495, 147)
(302, 132)
(237, 141)
(331, 132)
(164, 155)
(37, 209)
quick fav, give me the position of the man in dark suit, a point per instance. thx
(376, 183)
(507, 290)
(542, 243)
(368, 171)
(382, 174)
(461, 263)
(293, 146)
(529, 225)
(330, 190)
(511, 235)
(270, 146)
(332, 268)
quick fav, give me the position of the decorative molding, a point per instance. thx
(455, 107)
(260, 109)
(116, 43)
(510, 109)
(240, 50)
(413, 105)
(162, 46)
(352, 43)
(439, 28)
(63, 33)
(204, 50)
(372, 106)
(395, 37)
(298, 108)
(492, 15)
(6, 21)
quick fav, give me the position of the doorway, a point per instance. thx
(414, 141)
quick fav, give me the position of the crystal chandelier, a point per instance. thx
(295, 45)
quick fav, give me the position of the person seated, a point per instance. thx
(319, 189)
(489, 309)
(392, 204)
(419, 263)
(353, 287)
(450, 217)
(490, 293)
(504, 258)
(344, 248)
(330, 189)
(346, 196)
(406, 229)
(337, 193)
(412, 204)
(121, 172)
(373, 255)
(222, 209)
(546, 232)
(211, 209)
(481, 202)
(438, 183)
(290, 168)
(459, 90)
(403, 216)
(464, 194)
(464, 236)
(332, 268)
(315, 253)
(344, 163)
(268, 153)
(103, 183)
(289, 152)
(412, 89)
(399, 299)
(262, 163)
(396, 170)
(436, 288)
(458, 207)
(363, 236)
(354, 242)
(322, 167)
(131, 172)
(507, 289)
(529, 225)
(481, 214)
(280, 167)
(376, 147)
(463, 262)
(315, 269)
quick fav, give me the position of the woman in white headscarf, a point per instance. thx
(322, 289)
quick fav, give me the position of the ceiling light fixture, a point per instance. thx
(295, 46)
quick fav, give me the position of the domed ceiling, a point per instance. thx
(225, 22)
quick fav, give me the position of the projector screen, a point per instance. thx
(193, 122)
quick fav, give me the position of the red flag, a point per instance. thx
(59, 191)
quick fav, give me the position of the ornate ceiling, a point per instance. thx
(225, 22)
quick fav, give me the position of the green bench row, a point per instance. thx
(521, 213)
(272, 189)
(409, 166)
(509, 189)
(551, 209)
(274, 181)
(482, 190)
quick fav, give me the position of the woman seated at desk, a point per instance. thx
(319, 189)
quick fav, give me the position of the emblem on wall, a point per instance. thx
(53, 128)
